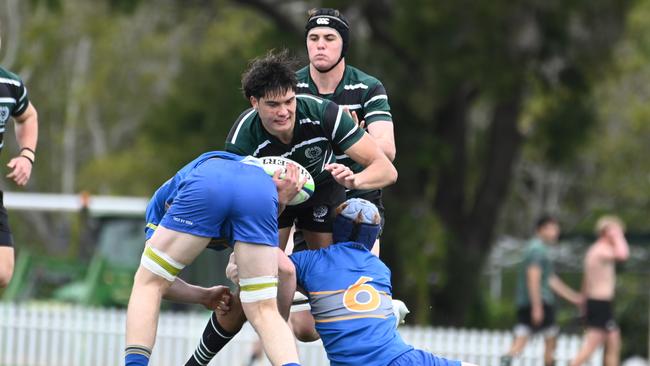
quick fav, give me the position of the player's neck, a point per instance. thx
(326, 82)
(285, 138)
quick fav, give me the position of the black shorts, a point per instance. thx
(524, 319)
(317, 214)
(375, 198)
(6, 239)
(600, 314)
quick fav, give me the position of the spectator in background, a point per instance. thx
(536, 283)
(598, 283)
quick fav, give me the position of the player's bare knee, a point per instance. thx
(260, 310)
(304, 333)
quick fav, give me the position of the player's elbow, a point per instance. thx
(390, 152)
(622, 257)
(392, 175)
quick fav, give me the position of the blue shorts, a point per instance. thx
(417, 357)
(226, 199)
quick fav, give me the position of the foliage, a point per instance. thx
(503, 110)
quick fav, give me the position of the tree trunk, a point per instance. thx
(472, 231)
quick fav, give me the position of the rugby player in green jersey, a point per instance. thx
(328, 76)
(308, 130)
(15, 103)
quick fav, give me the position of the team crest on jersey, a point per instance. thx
(313, 153)
(319, 213)
(4, 114)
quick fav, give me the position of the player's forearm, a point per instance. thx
(379, 174)
(621, 248)
(181, 291)
(27, 128)
(535, 295)
(566, 292)
(533, 278)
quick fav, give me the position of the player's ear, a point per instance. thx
(254, 102)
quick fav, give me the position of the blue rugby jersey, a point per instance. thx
(349, 291)
(164, 196)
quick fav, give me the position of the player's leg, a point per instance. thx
(255, 230)
(283, 234)
(258, 269)
(6, 247)
(302, 324)
(613, 347)
(517, 346)
(6, 264)
(167, 252)
(219, 330)
(198, 213)
(521, 331)
(550, 343)
(286, 283)
(550, 331)
(593, 339)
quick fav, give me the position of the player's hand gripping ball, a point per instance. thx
(273, 163)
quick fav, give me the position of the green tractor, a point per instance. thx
(113, 226)
(110, 234)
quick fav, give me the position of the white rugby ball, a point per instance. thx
(273, 163)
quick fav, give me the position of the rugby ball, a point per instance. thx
(272, 163)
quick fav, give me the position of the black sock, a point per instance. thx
(214, 338)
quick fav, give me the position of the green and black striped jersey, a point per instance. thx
(320, 127)
(357, 91)
(13, 99)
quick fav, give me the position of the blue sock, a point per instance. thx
(291, 364)
(136, 360)
(137, 356)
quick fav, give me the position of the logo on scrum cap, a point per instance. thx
(323, 21)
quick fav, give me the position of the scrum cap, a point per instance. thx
(331, 18)
(357, 221)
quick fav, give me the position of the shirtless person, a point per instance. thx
(598, 285)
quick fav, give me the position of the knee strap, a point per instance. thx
(258, 288)
(160, 263)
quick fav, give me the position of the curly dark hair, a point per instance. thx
(544, 220)
(272, 74)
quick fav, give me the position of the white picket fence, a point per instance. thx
(62, 335)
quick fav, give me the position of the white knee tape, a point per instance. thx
(160, 263)
(258, 288)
